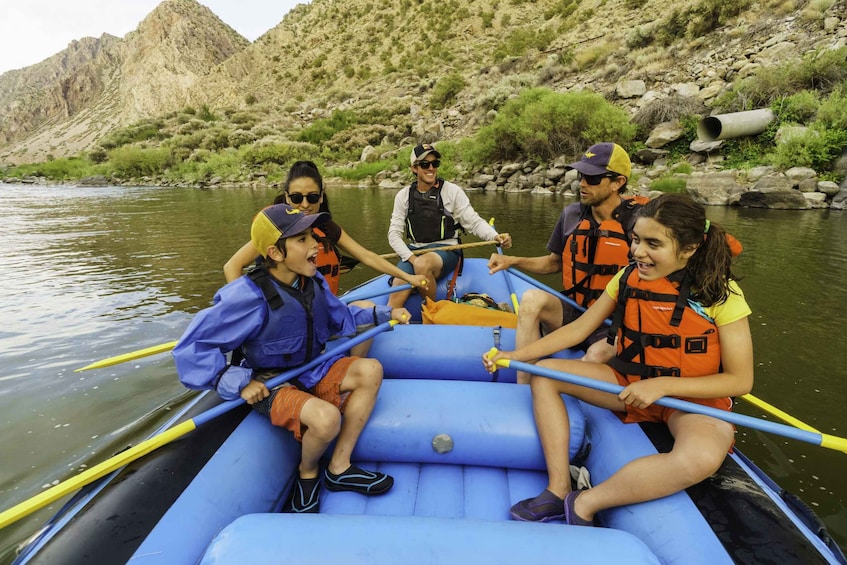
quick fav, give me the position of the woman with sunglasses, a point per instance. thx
(304, 189)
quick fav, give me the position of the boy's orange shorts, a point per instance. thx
(289, 400)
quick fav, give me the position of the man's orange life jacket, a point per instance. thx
(594, 252)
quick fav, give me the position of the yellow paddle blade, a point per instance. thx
(129, 356)
(73, 484)
(773, 410)
(834, 442)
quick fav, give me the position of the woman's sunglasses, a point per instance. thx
(594, 180)
(297, 198)
(427, 164)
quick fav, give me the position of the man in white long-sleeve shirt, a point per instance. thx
(430, 214)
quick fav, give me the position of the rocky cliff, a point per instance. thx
(64, 104)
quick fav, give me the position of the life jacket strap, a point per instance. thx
(262, 278)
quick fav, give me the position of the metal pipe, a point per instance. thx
(737, 124)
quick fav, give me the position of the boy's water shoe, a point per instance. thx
(358, 480)
(545, 507)
(305, 496)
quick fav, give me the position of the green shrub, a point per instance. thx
(832, 113)
(282, 154)
(669, 184)
(819, 71)
(446, 90)
(140, 131)
(818, 148)
(749, 151)
(562, 8)
(522, 40)
(543, 124)
(324, 128)
(136, 162)
(63, 168)
(207, 115)
(797, 108)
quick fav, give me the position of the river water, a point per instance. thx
(92, 272)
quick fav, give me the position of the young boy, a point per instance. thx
(280, 316)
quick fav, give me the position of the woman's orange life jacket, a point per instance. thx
(329, 262)
(660, 333)
(594, 252)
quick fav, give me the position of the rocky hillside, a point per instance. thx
(444, 65)
(66, 103)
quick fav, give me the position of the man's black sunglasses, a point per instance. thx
(427, 164)
(297, 198)
(594, 180)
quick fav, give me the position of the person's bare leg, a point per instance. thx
(362, 381)
(537, 308)
(700, 446)
(362, 349)
(551, 415)
(398, 299)
(322, 422)
(600, 352)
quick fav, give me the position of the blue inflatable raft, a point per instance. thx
(462, 447)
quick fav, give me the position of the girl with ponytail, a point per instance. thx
(680, 323)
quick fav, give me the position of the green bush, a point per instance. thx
(140, 131)
(819, 71)
(324, 128)
(797, 108)
(669, 184)
(749, 151)
(64, 168)
(543, 124)
(522, 40)
(832, 113)
(282, 154)
(446, 90)
(137, 162)
(818, 148)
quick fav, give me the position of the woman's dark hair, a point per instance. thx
(302, 169)
(711, 264)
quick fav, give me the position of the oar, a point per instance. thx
(815, 438)
(89, 475)
(506, 275)
(444, 248)
(108, 362)
(773, 410)
(758, 402)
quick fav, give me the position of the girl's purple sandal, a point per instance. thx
(571, 516)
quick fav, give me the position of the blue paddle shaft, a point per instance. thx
(225, 407)
(685, 406)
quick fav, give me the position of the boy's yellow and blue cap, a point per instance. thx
(281, 220)
(604, 158)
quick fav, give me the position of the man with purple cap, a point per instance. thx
(589, 244)
(280, 316)
(430, 214)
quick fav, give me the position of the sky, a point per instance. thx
(33, 30)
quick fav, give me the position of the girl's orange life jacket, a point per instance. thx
(660, 332)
